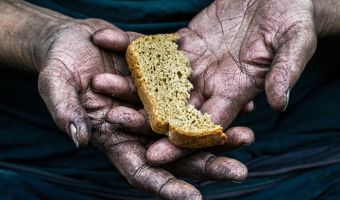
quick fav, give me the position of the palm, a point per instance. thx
(234, 46)
(70, 63)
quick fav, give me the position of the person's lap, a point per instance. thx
(294, 154)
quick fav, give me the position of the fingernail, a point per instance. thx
(234, 181)
(73, 131)
(250, 143)
(287, 100)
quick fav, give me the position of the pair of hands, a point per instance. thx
(88, 90)
(237, 49)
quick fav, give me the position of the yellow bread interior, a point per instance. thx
(160, 72)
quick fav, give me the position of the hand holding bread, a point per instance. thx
(129, 151)
(238, 49)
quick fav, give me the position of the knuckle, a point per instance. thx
(208, 163)
(93, 20)
(137, 177)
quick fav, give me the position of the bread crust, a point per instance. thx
(177, 136)
(189, 140)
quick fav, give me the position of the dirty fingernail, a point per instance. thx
(250, 143)
(73, 131)
(287, 100)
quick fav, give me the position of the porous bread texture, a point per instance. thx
(160, 72)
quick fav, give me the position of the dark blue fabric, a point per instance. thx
(295, 156)
(145, 16)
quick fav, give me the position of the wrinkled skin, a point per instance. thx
(72, 67)
(239, 48)
(246, 47)
(69, 64)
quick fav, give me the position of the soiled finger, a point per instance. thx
(130, 120)
(249, 107)
(288, 64)
(62, 100)
(120, 87)
(163, 151)
(237, 137)
(207, 166)
(128, 155)
(112, 39)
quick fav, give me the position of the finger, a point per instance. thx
(92, 101)
(196, 99)
(207, 166)
(62, 101)
(163, 151)
(237, 137)
(288, 64)
(133, 35)
(117, 86)
(129, 120)
(113, 39)
(249, 107)
(222, 109)
(129, 158)
(120, 65)
(225, 101)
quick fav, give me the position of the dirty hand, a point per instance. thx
(239, 48)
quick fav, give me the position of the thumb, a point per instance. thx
(62, 100)
(288, 64)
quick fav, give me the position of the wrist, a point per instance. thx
(326, 17)
(25, 29)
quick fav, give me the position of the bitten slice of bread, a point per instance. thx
(160, 72)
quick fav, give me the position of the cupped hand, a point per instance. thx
(68, 63)
(237, 49)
